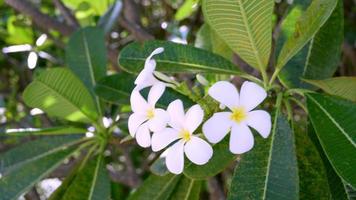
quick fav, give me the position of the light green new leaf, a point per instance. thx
(187, 189)
(340, 86)
(186, 10)
(269, 170)
(334, 123)
(156, 188)
(245, 25)
(176, 58)
(91, 183)
(307, 26)
(109, 19)
(21, 179)
(30, 151)
(46, 131)
(320, 57)
(60, 93)
(86, 57)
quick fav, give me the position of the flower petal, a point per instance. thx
(135, 120)
(225, 93)
(155, 93)
(193, 118)
(163, 138)
(175, 158)
(198, 150)
(241, 139)
(176, 113)
(260, 120)
(145, 79)
(138, 103)
(251, 95)
(154, 52)
(143, 136)
(216, 128)
(159, 121)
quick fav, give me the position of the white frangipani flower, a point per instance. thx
(240, 118)
(181, 135)
(145, 116)
(146, 77)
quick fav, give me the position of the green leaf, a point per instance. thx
(176, 58)
(187, 189)
(61, 94)
(22, 179)
(117, 89)
(269, 170)
(306, 27)
(46, 131)
(91, 183)
(156, 188)
(334, 123)
(245, 25)
(31, 151)
(109, 19)
(340, 86)
(86, 57)
(319, 59)
(186, 10)
(221, 159)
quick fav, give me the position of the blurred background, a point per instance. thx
(33, 35)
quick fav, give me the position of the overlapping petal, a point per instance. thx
(155, 93)
(175, 157)
(143, 136)
(159, 121)
(198, 150)
(193, 118)
(176, 113)
(135, 120)
(216, 128)
(138, 103)
(225, 93)
(162, 139)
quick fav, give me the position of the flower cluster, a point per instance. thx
(174, 129)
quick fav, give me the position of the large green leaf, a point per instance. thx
(245, 25)
(86, 56)
(340, 86)
(91, 183)
(46, 131)
(22, 179)
(187, 189)
(334, 123)
(156, 188)
(60, 93)
(269, 170)
(176, 58)
(320, 57)
(306, 27)
(30, 151)
(109, 19)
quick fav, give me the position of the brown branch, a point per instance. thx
(67, 14)
(40, 18)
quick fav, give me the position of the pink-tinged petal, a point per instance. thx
(216, 128)
(155, 93)
(260, 120)
(162, 139)
(159, 121)
(143, 136)
(241, 139)
(154, 52)
(135, 120)
(193, 118)
(146, 78)
(225, 93)
(251, 95)
(138, 103)
(175, 158)
(176, 113)
(198, 150)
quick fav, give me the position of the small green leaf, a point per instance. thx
(340, 86)
(269, 170)
(245, 25)
(186, 10)
(334, 123)
(187, 189)
(60, 93)
(156, 188)
(176, 58)
(320, 57)
(109, 19)
(22, 179)
(46, 131)
(91, 183)
(307, 26)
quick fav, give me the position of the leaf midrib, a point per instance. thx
(96, 171)
(165, 187)
(189, 189)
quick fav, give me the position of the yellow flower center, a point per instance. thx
(185, 135)
(150, 113)
(238, 114)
